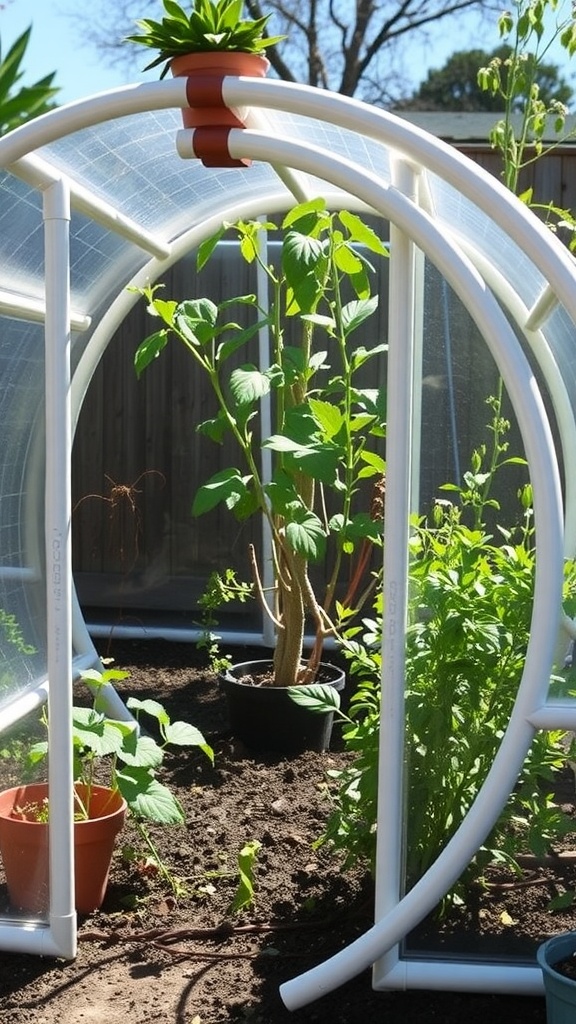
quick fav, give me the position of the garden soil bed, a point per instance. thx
(149, 956)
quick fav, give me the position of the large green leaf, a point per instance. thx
(146, 754)
(240, 335)
(374, 463)
(227, 486)
(301, 256)
(150, 707)
(207, 247)
(328, 417)
(215, 428)
(280, 443)
(163, 308)
(196, 320)
(318, 697)
(149, 349)
(373, 400)
(363, 423)
(347, 261)
(305, 535)
(361, 233)
(361, 526)
(355, 313)
(282, 493)
(300, 426)
(320, 461)
(248, 384)
(37, 752)
(305, 214)
(18, 105)
(317, 459)
(296, 363)
(147, 798)
(182, 734)
(93, 731)
(361, 355)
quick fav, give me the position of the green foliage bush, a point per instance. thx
(470, 605)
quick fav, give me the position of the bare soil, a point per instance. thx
(149, 956)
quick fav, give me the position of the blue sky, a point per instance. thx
(56, 45)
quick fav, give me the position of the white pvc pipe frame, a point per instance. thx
(556, 267)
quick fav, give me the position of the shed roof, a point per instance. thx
(459, 127)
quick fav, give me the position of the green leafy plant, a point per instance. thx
(120, 755)
(520, 136)
(324, 442)
(20, 103)
(471, 590)
(221, 588)
(12, 642)
(12, 633)
(211, 25)
(351, 827)
(244, 895)
(133, 756)
(468, 628)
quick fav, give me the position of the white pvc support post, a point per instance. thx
(41, 174)
(552, 375)
(399, 444)
(58, 517)
(419, 273)
(264, 359)
(57, 936)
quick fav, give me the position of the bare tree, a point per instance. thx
(344, 45)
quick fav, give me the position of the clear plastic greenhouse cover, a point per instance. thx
(139, 201)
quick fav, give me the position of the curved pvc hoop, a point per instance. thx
(471, 180)
(557, 390)
(104, 106)
(490, 195)
(531, 415)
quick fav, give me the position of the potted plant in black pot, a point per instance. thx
(212, 40)
(115, 766)
(327, 432)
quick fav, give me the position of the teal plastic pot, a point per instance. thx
(265, 718)
(560, 990)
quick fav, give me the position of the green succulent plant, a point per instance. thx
(212, 25)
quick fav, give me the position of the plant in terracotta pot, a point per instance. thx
(213, 26)
(213, 40)
(115, 766)
(328, 427)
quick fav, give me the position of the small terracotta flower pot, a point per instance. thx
(211, 66)
(24, 848)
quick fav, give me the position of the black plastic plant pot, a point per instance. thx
(266, 719)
